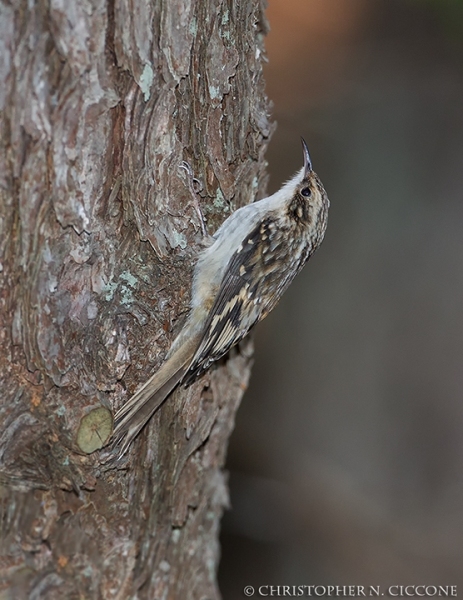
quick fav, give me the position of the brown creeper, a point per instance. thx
(255, 255)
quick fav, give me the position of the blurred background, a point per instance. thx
(346, 465)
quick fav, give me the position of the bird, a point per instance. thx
(238, 279)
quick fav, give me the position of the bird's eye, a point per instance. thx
(306, 192)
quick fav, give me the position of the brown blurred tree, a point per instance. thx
(101, 102)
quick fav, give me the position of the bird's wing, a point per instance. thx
(251, 286)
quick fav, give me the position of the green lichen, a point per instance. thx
(177, 239)
(146, 81)
(214, 92)
(225, 34)
(109, 290)
(131, 280)
(125, 288)
(126, 295)
(219, 201)
(193, 28)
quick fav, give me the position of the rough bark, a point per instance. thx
(100, 103)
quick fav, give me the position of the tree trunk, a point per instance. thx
(101, 102)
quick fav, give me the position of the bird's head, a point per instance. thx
(306, 199)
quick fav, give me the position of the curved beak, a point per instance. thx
(307, 161)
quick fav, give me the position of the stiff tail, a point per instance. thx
(135, 413)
